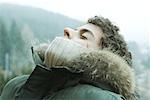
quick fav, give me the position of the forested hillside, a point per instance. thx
(21, 27)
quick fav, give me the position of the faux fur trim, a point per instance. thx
(107, 67)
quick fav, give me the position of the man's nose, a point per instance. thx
(69, 33)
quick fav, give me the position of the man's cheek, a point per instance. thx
(81, 42)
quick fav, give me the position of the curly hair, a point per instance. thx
(112, 40)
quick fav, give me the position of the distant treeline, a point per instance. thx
(21, 27)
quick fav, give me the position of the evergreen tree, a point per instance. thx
(18, 52)
(5, 44)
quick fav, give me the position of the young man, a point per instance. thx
(103, 74)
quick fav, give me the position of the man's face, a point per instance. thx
(88, 35)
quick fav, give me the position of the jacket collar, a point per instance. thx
(105, 67)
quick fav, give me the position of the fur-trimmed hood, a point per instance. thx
(104, 66)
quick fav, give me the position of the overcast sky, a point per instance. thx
(132, 16)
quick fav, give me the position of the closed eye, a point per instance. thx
(83, 37)
(83, 34)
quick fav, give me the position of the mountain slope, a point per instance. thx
(44, 24)
(21, 26)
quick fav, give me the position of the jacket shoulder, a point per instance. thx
(12, 88)
(85, 92)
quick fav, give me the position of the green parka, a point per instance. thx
(94, 76)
